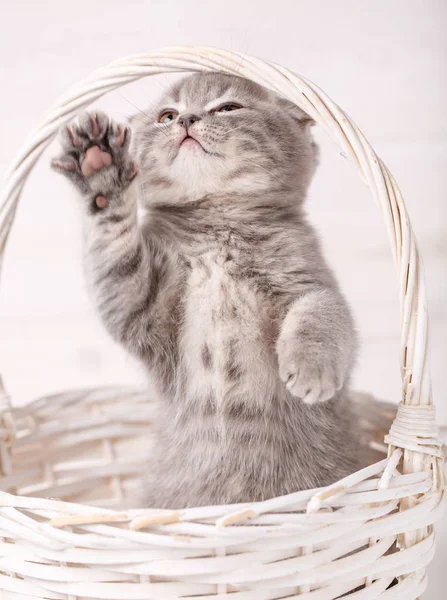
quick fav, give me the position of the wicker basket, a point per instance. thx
(357, 535)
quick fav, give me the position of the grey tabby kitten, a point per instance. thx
(220, 289)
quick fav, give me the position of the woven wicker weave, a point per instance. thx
(79, 447)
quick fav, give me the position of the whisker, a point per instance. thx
(149, 119)
(167, 90)
(243, 57)
(162, 128)
(239, 139)
(234, 129)
(128, 116)
(132, 104)
(266, 170)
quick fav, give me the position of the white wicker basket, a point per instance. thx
(358, 534)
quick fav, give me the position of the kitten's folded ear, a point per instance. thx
(296, 112)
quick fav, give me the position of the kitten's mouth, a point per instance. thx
(191, 141)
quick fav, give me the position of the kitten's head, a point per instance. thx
(221, 134)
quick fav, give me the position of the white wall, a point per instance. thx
(384, 62)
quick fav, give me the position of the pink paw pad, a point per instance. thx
(95, 159)
(101, 202)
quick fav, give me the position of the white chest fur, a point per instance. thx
(226, 343)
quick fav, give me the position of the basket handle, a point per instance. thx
(354, 146)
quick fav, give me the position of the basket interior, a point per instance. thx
(93, 446)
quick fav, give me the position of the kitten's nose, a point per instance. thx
(188, 120)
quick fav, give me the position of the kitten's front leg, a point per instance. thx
(316, 346)
(125, 271)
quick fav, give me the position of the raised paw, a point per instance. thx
(309, 374)
(96, 155)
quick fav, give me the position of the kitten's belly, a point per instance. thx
(229, 333)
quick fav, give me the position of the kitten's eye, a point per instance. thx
(167, 116)
(228, 108)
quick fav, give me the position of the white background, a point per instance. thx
(384, 62)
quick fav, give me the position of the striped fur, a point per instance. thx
(206, 269)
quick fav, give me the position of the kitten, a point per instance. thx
(220, 290)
